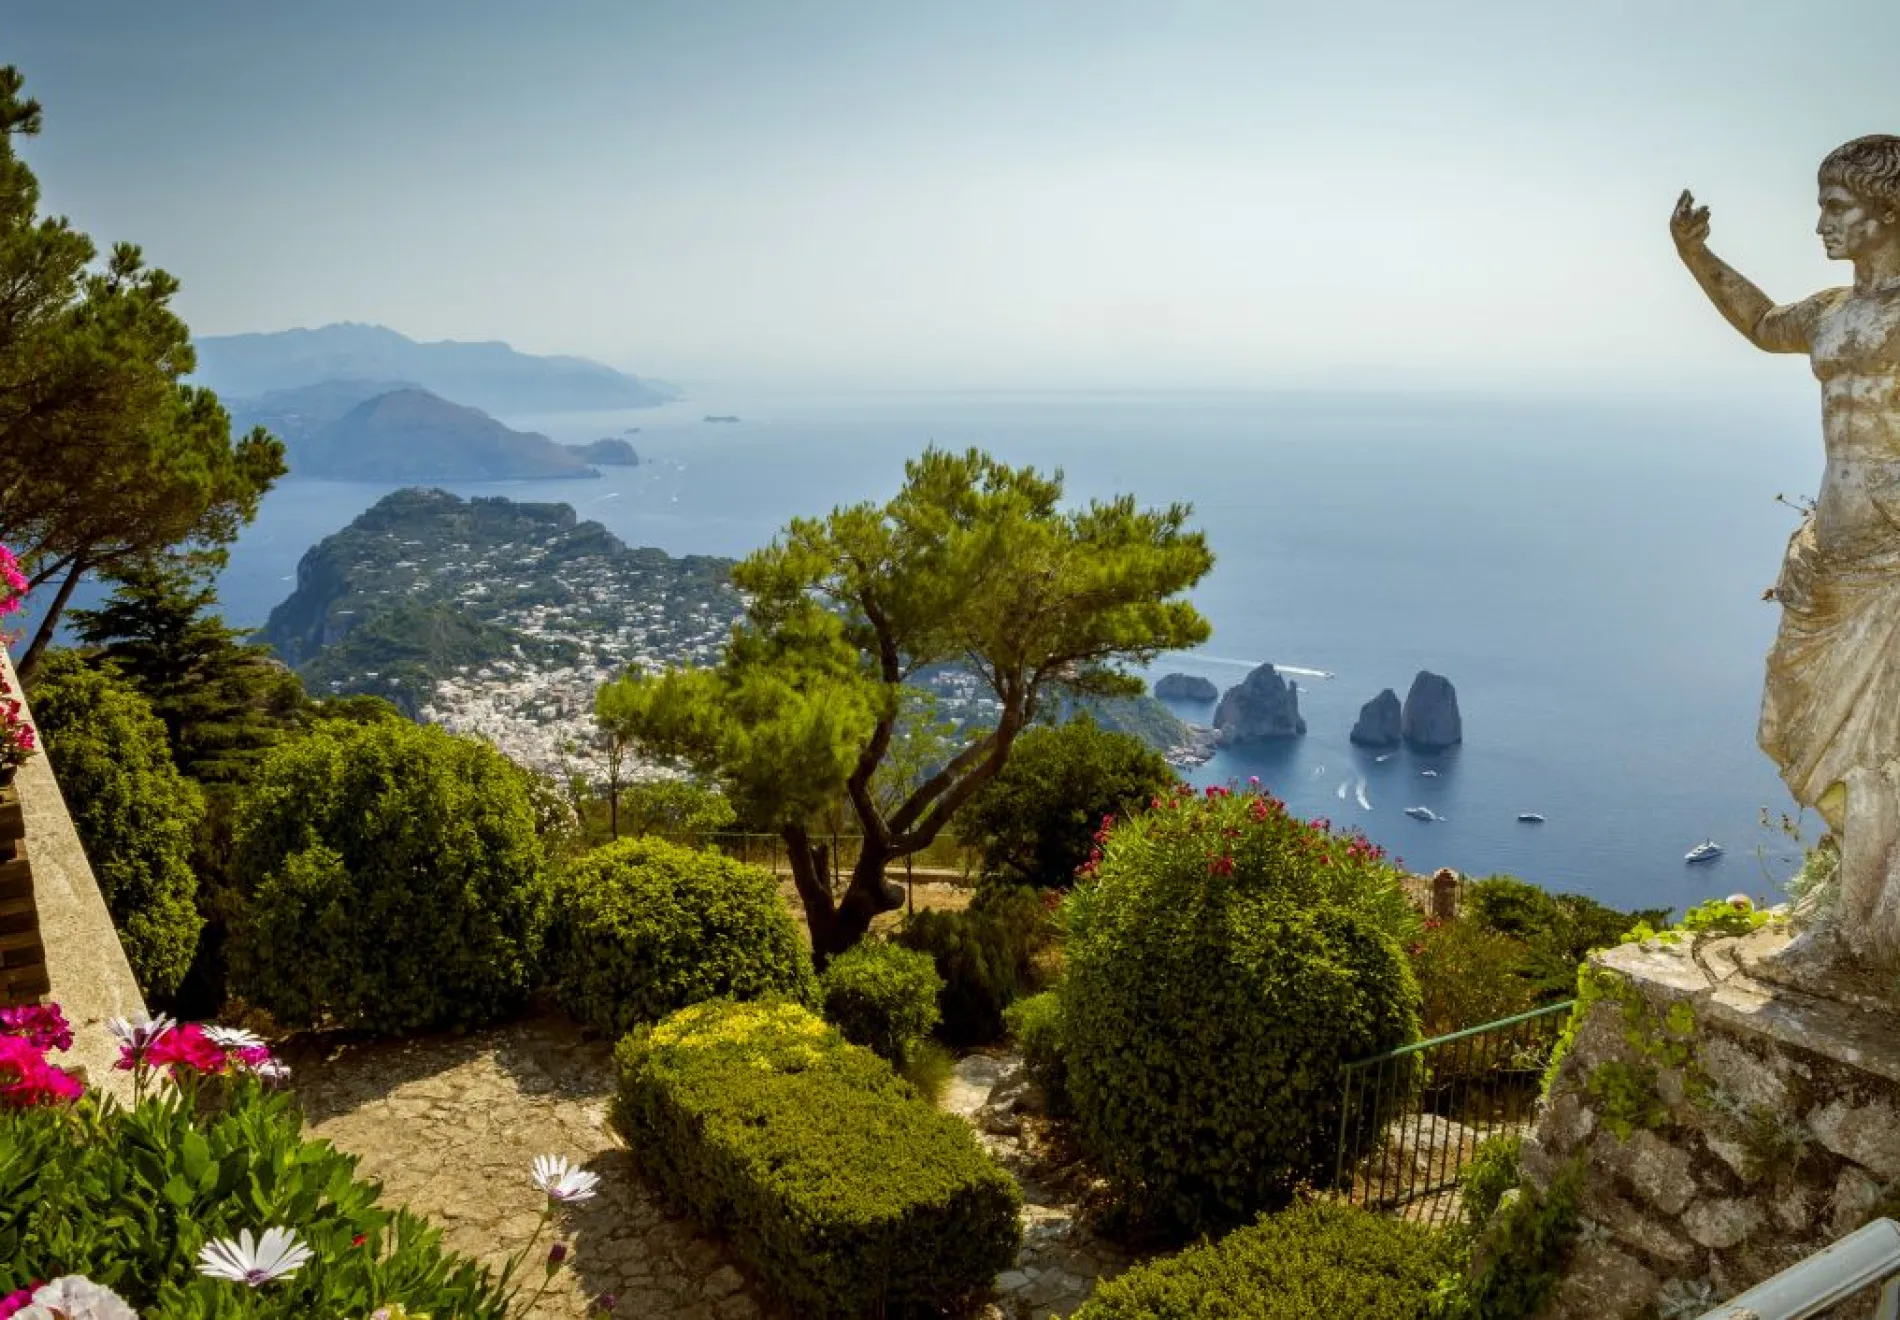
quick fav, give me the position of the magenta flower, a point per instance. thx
(42, 1026)
(185, 1048)
(15, 1302)
(27, 1079)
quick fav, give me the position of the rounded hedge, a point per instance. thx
(643, 927)
(135, 814)
(395, 880)
(1315, 1259)
(882, 996)
(1223, 960)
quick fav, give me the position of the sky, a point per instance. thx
(828, 194)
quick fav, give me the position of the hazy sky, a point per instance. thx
(972, 194)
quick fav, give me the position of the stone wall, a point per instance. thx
(1724, 1127)
(86, 972)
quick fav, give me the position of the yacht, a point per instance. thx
(1706, 851)
(1429, 774)
(1531, 817)
(1422, 813)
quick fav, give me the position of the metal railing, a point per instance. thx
(1864, 1258)
(1410, 1119)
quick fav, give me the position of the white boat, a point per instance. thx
(1706, 851)
(1530, 817)
(1422, 813)
(1429, 774)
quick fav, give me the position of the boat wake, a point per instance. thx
(1301, 670)
(1344, 784)
(1359, 791)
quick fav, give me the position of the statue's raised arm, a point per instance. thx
(1786, 329)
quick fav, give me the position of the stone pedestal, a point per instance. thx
(1726, 1125)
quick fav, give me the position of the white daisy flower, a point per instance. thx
(561, 1181)
(140, 1032)
(233, 1038)
(253, 1261)
(76, 1298)
(274, 1071)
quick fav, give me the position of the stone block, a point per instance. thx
(1856, 1193)
(1661, 1173)
(1868, 1133)
(1604, 1283)
(1750, 1078)
(1722, 1222)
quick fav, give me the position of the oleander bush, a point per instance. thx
(882, 996)
(1319, 1259)
(643, 927)
(987, 955)
(849, 1194)
(1223, 960)
(135, 814)
(394, 881)
(1036, 1025)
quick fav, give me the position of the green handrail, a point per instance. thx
(1479, 1030)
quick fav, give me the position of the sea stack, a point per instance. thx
(1379, 722)
(1429, 720)
(1186, 687)
(1262, 706)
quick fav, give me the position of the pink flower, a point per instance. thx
(13, 1303)
(26, 1078)
(185, 1048)
(42, 1026)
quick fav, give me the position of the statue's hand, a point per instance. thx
(1689, 223)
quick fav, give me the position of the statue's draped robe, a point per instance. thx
(1830, 714)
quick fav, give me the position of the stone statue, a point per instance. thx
(1830, 714)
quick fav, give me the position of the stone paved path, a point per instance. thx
(450, 1126)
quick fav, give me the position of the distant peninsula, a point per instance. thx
(405, 434)
(610, 452)
(487, 375)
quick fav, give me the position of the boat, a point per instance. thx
(1429, 774)
(718, 417)
(1530, 817)
(1422, 813)
(1706, 851)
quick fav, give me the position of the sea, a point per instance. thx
(1587, 573)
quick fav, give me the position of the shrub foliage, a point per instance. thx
(1223, 961)
(882, 996)
(135, 814)
(395, 880)
(1036, 1023)
(850, 1195)
(1321, 1259)
(643, 927)
(128, 1197)
(987, 956)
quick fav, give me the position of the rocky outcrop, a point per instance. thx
(1379, 721)
(1429, 720)
(610, 452)
(1261, 706)
(1186, 687)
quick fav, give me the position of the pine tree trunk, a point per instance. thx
(48, 625)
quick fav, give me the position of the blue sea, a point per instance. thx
(1588, 575)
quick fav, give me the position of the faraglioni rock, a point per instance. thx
(1380, 722)
(1186, 687)
(1261, 706)
(1429, 719)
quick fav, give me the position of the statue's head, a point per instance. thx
(1860, 196)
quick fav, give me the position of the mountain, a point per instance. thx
(610, 452)
(489, 375)
(295, 415)
(412, 435)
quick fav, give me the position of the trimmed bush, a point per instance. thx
(1321, 1259)
(643, 927)
(986, 955)
(128, 1197)
(135, 814)
(850, 1195)
(1223, 962)
(395, 881)
(882, 997)
(1036, 1023)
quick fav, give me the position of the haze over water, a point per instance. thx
(1589, 575)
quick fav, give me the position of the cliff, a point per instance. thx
(1262, 706)
(1186, 687)
(1380, 723)
(1430, 719)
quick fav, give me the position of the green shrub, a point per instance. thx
(1222, 964)
(643, 927)
(1321, 1259)
(1035, 821)
(1469, 974)
(127, 1197)
(883, 997)
(1559, 930)
(395, 880)
(987, 956)
(135, 814)
(850, 1195)
(1036, 1024)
